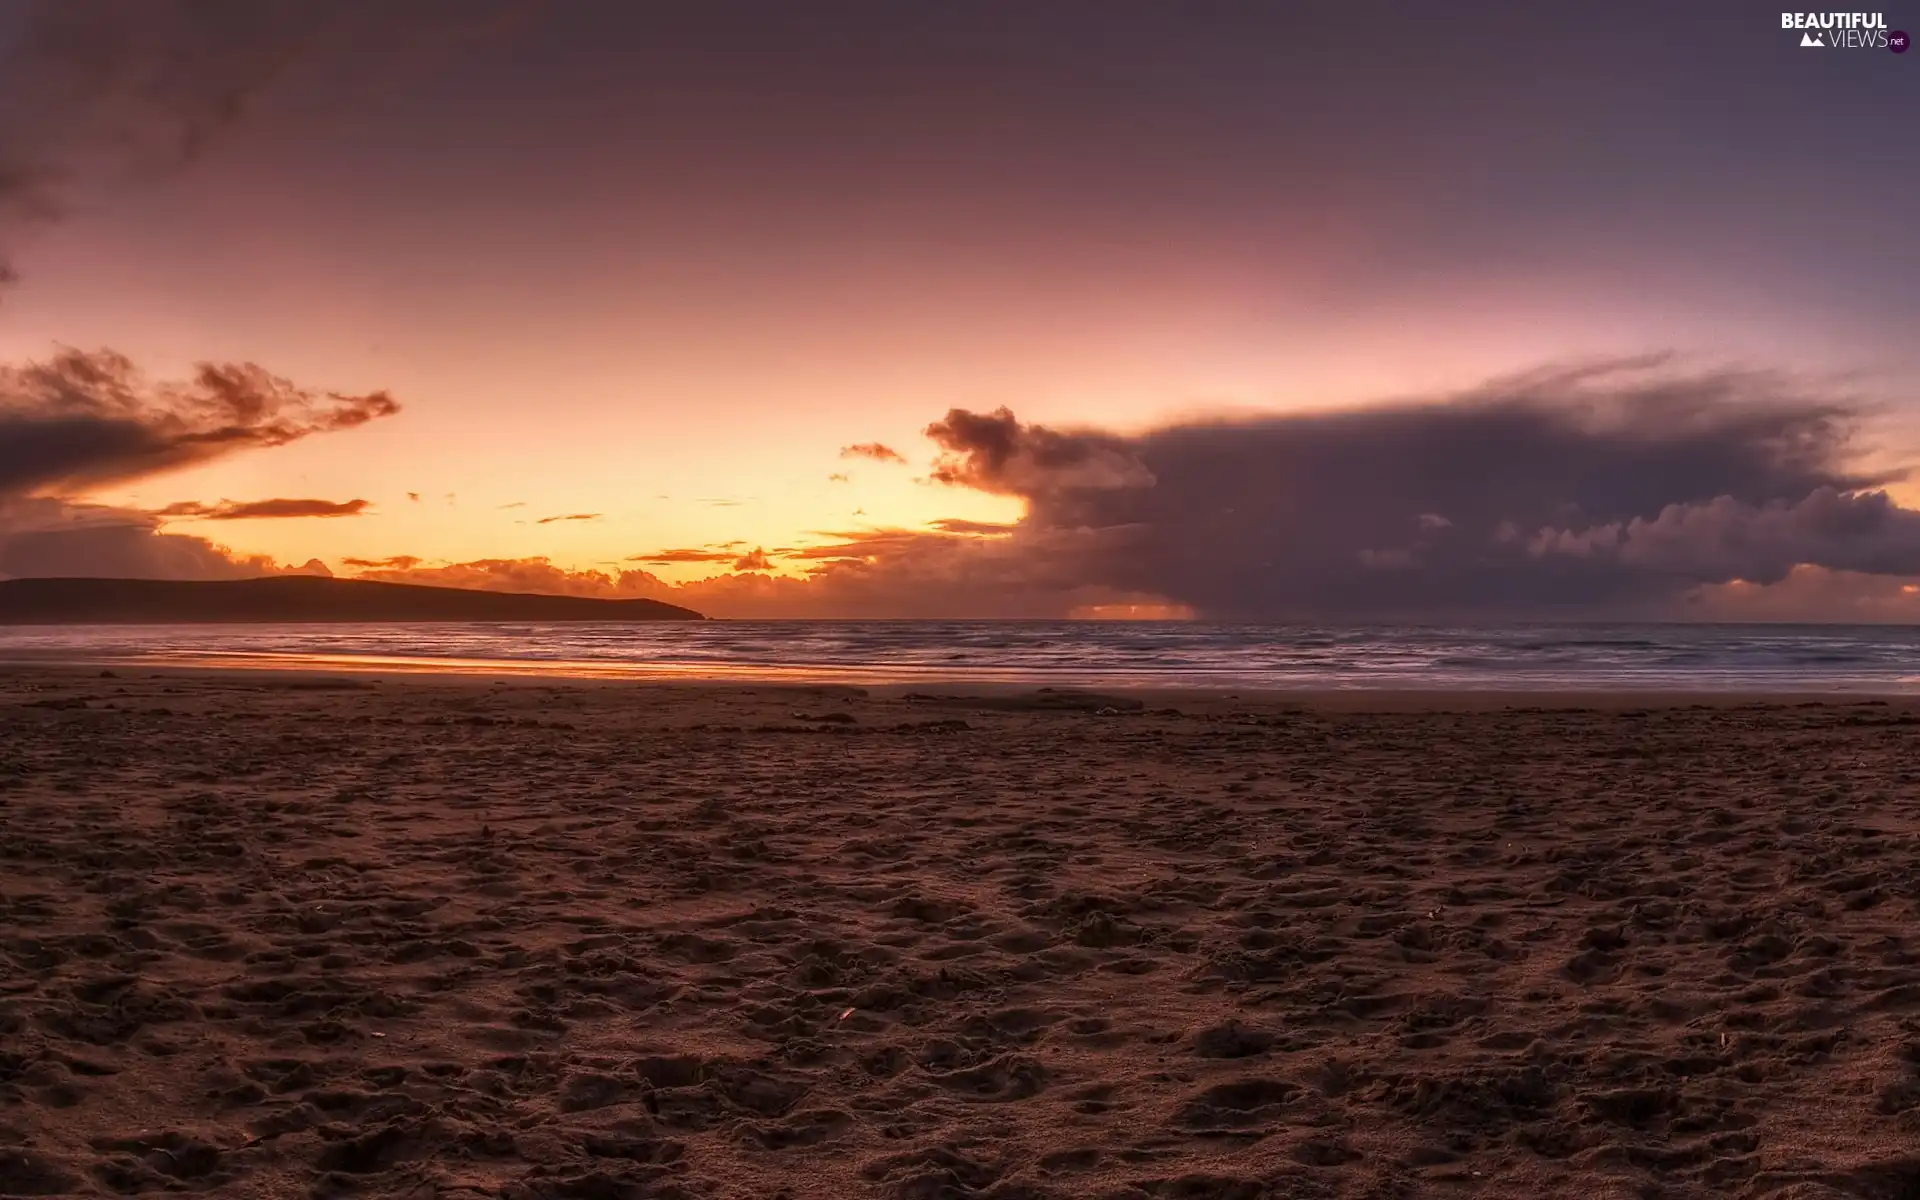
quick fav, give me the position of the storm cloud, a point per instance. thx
(1607, 488)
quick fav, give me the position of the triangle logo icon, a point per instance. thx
(1811, 39)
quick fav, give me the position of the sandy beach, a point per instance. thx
(291, 935)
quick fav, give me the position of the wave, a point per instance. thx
(1184, 654)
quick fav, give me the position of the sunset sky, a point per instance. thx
(636, 278)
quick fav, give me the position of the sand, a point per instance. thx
(291, 936)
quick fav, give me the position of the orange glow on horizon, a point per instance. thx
(1132, 612)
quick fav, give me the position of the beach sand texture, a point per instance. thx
(273, 936)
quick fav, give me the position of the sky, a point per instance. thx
(1240, 309)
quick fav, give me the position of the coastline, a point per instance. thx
(881, 685)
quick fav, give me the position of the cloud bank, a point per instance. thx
(1609, 489)
(1620, 489)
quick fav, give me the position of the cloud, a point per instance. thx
(414, 496)
(874, 451)
(865, 545)
(86, 419)
(1609, 488)
(399, 562)
(1621, 489)
(569, 517)
(861, 575)
(229, 510)
(1726, 539)
(839, 477)
(981, 528)
(666, 557)
(994, 452)
(515, 575)
(1811, 594)
(43, 536)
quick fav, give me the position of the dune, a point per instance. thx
(444, 938)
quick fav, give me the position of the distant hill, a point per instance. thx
(297, 598)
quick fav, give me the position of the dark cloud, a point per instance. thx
(87, 419)
(248, 510)
(569, 517)
(753, 560)
(874, 451)
(994, 452)
(1726, 539)
(1612, 488)
(82, 421)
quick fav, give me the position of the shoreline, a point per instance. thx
(1321, 665)
(324, 672)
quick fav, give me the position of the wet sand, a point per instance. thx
(291, 935)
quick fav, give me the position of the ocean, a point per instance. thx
(1113, 654)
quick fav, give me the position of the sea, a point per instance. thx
(1198, 654)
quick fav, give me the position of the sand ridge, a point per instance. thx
(455, 938)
